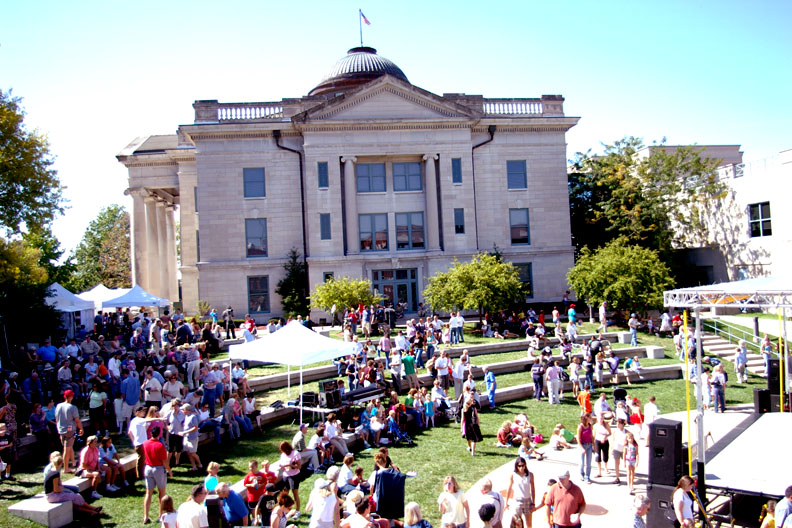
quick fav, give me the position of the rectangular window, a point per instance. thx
(195, 197)
(409, 231)
(328, 275)
(197, 247)
(520, 228)
(525, 272)
(254, 183)
(370, 177)
(516, 174)
(256, 237)
(459, 221)
(324, 179)
(456, 170)
(373, 232)
(258, 295)
(407, 177)
(759, 219)
(324, 226)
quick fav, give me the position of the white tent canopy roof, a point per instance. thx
(292, 345)
(762, 292)
(65, 301)
(100, 293)
(136, 296)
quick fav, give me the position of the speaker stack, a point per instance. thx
(329, 394)
(667, 464)
(770, 398)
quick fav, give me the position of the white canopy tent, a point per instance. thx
(100, 293)
(292, 345)
(136, 296)
(68, 304)
(763, 292)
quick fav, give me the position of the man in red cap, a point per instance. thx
(67, 420)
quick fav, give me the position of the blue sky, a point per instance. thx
(95, 75)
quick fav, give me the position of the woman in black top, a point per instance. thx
(53, 489)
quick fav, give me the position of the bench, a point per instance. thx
(37, 509)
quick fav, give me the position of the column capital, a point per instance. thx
(344, 159)
(137, 192)
(427, 157)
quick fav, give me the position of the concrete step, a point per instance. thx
(726, 346)
(37, 509)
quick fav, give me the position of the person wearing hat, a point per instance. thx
(324, 503)
(191, 434)
(633, 323)
(567, 501)
(67, 420)
(572, 314)
(298, 442)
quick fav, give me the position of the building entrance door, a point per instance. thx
(398, 287)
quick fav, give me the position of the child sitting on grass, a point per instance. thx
(528, 450)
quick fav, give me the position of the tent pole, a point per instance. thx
(702, 442)
(686, 351)
(288, 381)
(301, 390)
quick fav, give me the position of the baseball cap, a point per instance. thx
(564, 474)
(68, 394)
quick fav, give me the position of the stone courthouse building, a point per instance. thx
(367, 175)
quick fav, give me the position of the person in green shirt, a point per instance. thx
(408, 360)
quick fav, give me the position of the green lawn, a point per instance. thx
(438, 453)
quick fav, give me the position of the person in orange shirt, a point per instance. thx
(584, 400)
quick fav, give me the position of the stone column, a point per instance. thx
(137, 238)
(171, 257)
(162, 249)
(152, 247)
(350, 196)
(432, 224)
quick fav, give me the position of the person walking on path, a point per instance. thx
(228, 322)
(156, 471)
(553, 377)
(489, 379)
(471, 430)
(567, 501)
(633, 324)
(521, 482)
(603, 317)
(585, 438)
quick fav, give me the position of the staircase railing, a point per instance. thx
(732, 333)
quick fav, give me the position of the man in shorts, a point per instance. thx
(156, 471)
(175, 419)
(67, 420)
(190, 434)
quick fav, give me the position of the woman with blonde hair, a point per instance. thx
(323, 502)
(91, 467)
(55, 492)
(683, 504)
(413, 517)
(453, 505)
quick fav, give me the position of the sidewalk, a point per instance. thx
(766, 326)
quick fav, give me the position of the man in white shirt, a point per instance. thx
(460, 328)
(73, 350)
(401, 343)
(459, 372)
(192, 514)
(137, 435)
(452, 325)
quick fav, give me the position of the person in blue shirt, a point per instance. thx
(489, 379)
(234, 507)
(572, 314)
(47, 352)
(130, 391)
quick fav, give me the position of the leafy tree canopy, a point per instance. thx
(486, 284)
(30, 192)
(651, 200)
(103, 254)
(626, 275)
(343, 293)
(293, 288)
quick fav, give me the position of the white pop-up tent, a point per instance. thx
(292, 345)
(136, 296)
(100, 293)
(68, 304)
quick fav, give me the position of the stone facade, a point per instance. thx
(439, 154)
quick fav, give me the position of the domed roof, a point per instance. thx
(360, 66)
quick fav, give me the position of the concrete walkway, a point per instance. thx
(766, 326)
(608, 505)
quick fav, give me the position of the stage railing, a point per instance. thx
(732, 333)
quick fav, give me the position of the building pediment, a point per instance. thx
(386, 99)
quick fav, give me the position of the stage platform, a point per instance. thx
(755, 462)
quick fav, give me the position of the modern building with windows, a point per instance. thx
(368, 176)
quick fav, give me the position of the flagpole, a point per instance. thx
(360, 23)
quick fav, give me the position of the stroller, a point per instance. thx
(397, 434)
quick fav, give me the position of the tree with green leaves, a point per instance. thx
(485, 284)
(650, 197)
(58, 269)
(293, 288)
(103, 255)
(30, 191)
(626, 275)
(343, 292)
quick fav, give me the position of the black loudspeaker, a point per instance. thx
(665, 452)
(775, 402)
(761, 400)
(214, 512)
(309, 399)
(328, 385)
(661, 513)
(774, 375)
(330, 399)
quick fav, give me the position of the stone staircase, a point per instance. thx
(715, 345)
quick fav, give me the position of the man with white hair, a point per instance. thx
(234, 507)
(641, 505)
(487, 496)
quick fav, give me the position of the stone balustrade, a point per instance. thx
(214, 112)
(512, 106)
